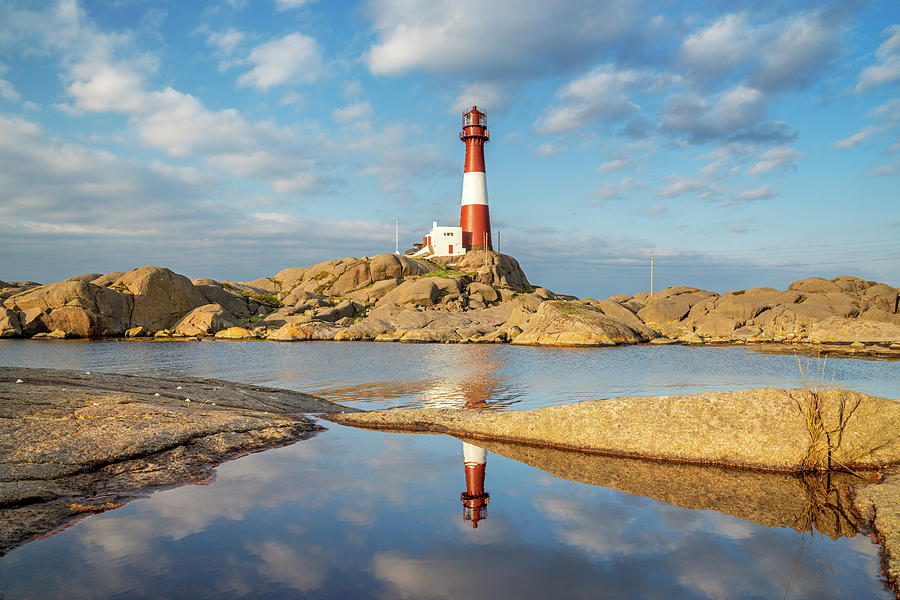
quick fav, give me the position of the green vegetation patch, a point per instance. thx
(270, 299)
(445, 273)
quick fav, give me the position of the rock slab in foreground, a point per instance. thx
(73, 443)
(761, 429)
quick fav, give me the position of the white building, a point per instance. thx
(442, 241)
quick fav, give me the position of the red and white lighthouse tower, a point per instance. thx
(474, 217)
(474, 499)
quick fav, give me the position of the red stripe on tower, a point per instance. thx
(474, 499)
(474, 217)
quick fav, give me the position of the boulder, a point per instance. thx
(794, 320)
(838, 304)
(715, 326)
(669, 309)
(375, 292)
(483, 292)
(235, 333)
(312, 331)
(882, 296)
(564, 323)
(33, 321)
(136, 332)
(89, 277)
(880, 316)
(815, 285)
(205, 320)
(160, 297)
(108, 279)
(366, 329)
(265, 284)
(352, 278)
(214, 293)
(420, 292)
(745, 306)
(851, 285)
(394, 266)
(288, 278)
(345, 309)
(10, 323)
(79, 308)
(622, 313)
(302, 298)
(843, 330)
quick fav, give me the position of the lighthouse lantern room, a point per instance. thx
(474, 231)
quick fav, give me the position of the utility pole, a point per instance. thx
(396, 237)
(651, 276)
(498, 240)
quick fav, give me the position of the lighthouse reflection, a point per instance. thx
(474, 499)
(475, 387)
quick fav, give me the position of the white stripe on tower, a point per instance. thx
(473, 455)
(474, 188)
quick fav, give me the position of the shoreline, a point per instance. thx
(845, 350)
(76, 443)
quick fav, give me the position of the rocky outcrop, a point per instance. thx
(159, 297)
(489, 267)
(205, 320)
(563, 323)
(479, 297)
(73, 443)
(769, 429)
(815, 310)
(78, 308)
(819, 502)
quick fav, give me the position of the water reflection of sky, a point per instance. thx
(359, 514)
(381, 375)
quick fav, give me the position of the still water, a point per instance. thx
(360, 514)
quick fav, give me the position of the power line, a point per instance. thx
(708, 265)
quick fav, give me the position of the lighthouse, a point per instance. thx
(474, 217)
(474, 231)
(474, 499)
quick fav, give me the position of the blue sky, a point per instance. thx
(743, 143)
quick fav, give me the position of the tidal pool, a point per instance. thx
(362, 514)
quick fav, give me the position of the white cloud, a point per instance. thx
(352, 112)
(892, 44)
(602, 95)
(761, 193)
(776, 158)
(546, 149)
(888, 112)
(795, 56)
(8, 91)
(723, 46)
(735, 113)
(499, 39)
(489, 96)
(656, 211)
(225, 41)
(108, 88)
(876, 75)
(293, 58)
(713, 168)
(290, 4)
(613, 165)
(682, 185)
(887, 70)
(855, 139)
(884, 170)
